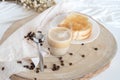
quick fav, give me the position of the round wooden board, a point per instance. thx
(92, 61)
(85, 77)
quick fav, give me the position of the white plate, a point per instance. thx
(95, 27)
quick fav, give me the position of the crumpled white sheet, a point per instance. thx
(9, 13)
(104, 11)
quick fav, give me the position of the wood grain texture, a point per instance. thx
(97, 55)
(85, 77)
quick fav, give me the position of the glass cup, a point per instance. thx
(59, 39)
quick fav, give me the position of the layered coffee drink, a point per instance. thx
(59, 39)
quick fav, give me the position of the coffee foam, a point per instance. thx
(60, 34)
(59, 37)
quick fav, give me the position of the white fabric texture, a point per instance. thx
(104, 11)
(9, 13)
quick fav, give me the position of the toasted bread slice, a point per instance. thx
(83, 34)
(75, 22)
(79, 24)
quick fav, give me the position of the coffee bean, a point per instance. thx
(28, 38)
(96, 49)
(25, 36)
(31, 67)
(83, 55)
(35, 78)
(40, 41)
(70, 64)
(32, 64)
(31, 38)
(54, 64)
(82, 44)
(58, 67)
(61, 61)
(70, 53)
(45, 66)
(20, 62)
(48, 48)
(41, 44)
(26, 66)
(3, 68)
(62, 64)
(37, 71)
(29, 34)
(53, 69)
(32, 34)
(60, 58)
